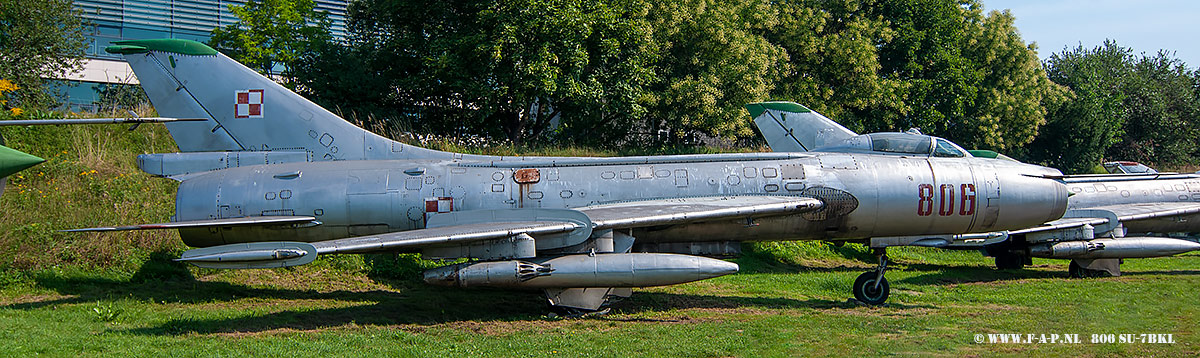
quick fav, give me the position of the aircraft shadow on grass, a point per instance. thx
(1170, 273)
(943, 274)
(935, 275)
(161, 280)
(164, 281)
(445, 306)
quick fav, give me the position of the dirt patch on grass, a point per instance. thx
(502, 328)
(893, 310)
(8, 301)
(318, 280)
(981, 310)
(826, 264)
(596, 323)
(268, 306)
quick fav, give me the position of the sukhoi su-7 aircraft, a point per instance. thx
(1109, 217)
(269, 179)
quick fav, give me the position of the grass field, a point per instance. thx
(939, 304)
(120, 295)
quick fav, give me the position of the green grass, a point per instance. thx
(769, 309)
(121, 295)
(90, 179)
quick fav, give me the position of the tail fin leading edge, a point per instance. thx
(790, 127)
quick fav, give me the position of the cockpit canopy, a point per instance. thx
(900, 143)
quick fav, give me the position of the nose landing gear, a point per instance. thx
(871, 287)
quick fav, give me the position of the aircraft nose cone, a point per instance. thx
(13, 161)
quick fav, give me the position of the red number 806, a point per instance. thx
(925, 194)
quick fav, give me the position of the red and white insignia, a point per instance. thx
(249, 104)
(436, 205)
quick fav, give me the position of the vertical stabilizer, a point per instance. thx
(790, 127)
(245, 110)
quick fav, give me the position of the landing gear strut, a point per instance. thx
(871, 287)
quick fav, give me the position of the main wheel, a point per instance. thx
(1009, 261)
(1074, 270)
(866, 292)
(564, 311)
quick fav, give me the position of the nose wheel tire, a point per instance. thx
(871, 287)
(866, 291)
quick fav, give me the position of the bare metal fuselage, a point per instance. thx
(864, 195)
(1114, 190)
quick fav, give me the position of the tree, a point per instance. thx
(1162, 112)
(609, 69)
(713, 59)
(271, 35)
(1080, 130)
(502, 68)
(938, 65)
(835, 64)
(1013, 93)
(38, 40)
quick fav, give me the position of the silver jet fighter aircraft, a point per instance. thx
(1109, 217)
(270, 179)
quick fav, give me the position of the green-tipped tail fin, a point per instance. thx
(791, 127)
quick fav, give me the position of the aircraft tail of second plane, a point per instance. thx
(790, 127)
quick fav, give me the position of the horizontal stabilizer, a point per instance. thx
(13, 161)
(131, 120)
(245, 221)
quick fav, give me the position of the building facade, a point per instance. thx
(108, 21)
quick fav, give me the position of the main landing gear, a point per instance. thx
(1081, 268)
(871, 287)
